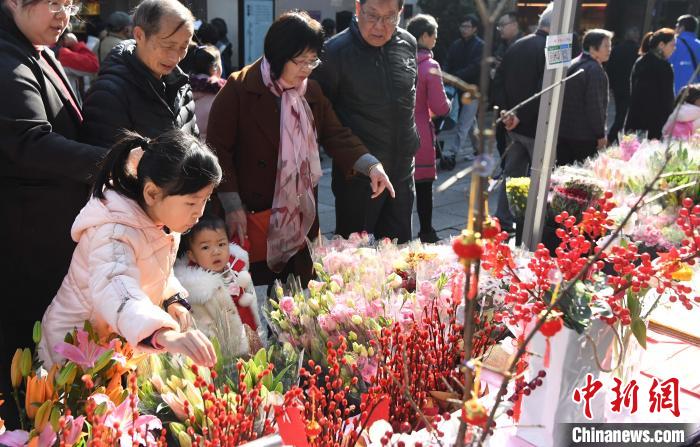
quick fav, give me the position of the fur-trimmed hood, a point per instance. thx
(201, 284)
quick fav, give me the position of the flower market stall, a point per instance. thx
(373, 351)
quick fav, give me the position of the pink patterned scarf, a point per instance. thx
(298, 172)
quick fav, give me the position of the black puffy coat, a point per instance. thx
(373, 92)
(651, 95)
(44, 182)
(127, 96)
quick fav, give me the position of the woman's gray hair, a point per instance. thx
(149, 14)
(546, 17)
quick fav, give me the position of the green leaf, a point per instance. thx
(633, 305)
(219, 355)
(67, 374)
(248, 382)
(261, 357)
(55, 418)
(87, 326)
(639, 329)
(280, 376)
(101, 409)
(576, 310)
(101, 362)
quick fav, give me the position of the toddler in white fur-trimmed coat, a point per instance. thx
(215, 274)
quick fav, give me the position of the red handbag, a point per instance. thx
(258, 226)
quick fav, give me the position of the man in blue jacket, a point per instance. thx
(687, 55)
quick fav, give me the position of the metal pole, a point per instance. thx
(547, 132)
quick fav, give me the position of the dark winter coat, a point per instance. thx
(619, 67)
(652, 99)
(244, 129)
(127, 96)
(519, 76)
(464, 59)
(585, 106)
(44, 181)
(373, 92)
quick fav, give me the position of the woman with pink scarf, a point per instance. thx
(266, 126)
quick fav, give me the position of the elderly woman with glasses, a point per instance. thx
(44, 171)
(140, 86)
(267, 125)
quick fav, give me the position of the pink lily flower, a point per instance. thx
(47, 437)
(122, 417)
(14, 438)
(75, 430)
(86, 353)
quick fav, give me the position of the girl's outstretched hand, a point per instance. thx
(193, 343)
(182, 316)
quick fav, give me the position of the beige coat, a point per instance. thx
(120, 274)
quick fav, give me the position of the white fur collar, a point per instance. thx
(201, 284)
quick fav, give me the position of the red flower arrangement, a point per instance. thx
(229, 419)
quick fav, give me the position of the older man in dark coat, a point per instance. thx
(369, 74)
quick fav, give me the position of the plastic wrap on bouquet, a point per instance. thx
(572, 357)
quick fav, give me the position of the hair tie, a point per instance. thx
(132, 162)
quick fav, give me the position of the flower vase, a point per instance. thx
(572, 356)
(625, 359)
(539, 408)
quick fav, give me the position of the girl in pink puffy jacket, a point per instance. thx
(430, 100)
(121, 275)
(684, 124)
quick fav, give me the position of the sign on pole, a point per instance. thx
(558, 50)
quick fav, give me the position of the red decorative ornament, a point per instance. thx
(474, 412)
(313, 430)
(491, 228)
(467, 246)
(551, 326)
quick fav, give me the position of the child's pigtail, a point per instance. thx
(120, 168)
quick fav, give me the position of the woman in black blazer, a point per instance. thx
(651, 99)
(44, 172)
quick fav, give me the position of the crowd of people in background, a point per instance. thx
(116, 127)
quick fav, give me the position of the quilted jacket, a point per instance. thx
(121, 272)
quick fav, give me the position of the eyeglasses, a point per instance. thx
(500, 26)
(373, 19)
(69, 10)
(311, 65)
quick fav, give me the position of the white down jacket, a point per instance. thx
(120, 274)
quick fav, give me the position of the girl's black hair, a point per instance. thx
(289, 36)
(175, 161)
(206, 60)
(207, 222)
(690, 97)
